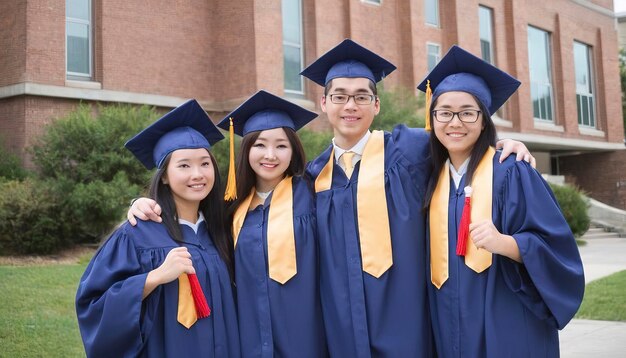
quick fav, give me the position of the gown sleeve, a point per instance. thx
(109, 299)
(550, 282)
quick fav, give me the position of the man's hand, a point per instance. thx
(144, 209)
(509, 146)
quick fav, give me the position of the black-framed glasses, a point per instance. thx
(360, 99)
(465, 116)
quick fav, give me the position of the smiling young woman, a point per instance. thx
(502, 259)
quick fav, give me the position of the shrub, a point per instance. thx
(573, 206)
(84, 182)
(10, 166)
(399, 105)
(29, 221)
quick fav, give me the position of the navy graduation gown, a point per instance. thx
(280, 320)
(113, 320)
(510, 309)
(367, 316)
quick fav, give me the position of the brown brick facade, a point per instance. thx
(220, 52)
(601, 175)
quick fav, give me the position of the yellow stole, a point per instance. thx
(374, 232)
(281, 246)
(187, 314)
(482, 185)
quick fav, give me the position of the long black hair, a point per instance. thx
(246, 177)
(212, 207)
(439, 153)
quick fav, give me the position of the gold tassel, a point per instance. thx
(429, 95)
(231, 184)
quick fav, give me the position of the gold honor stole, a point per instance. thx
(281, 246)
(374, 232)
(482, 185)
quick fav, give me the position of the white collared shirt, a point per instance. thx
(357, 149)
(458, 175)
(193, 226)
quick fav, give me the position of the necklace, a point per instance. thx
(263, 195)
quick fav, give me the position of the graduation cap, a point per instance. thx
(459, 70)
(265, 111)
(348, 59)
(185, 127)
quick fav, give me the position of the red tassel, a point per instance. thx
(466, 219)
(202, 307)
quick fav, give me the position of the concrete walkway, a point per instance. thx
(602, 256)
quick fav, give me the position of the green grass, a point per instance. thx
(605, 299)
(37, 316)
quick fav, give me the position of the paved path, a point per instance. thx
(597, 339)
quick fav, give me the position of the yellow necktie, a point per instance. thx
(281, 245)
(482, 186)
(372, 214)
(187, 314)
(346, 157)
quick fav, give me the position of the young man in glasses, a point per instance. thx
(371, 227)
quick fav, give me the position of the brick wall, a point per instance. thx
(601, 175)
(12, 40)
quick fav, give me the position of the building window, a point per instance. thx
(485, 21)
(78, 38)
(293, 55)
(584, 85)
(375, 2)
(434, 54)
(431, 11)
(540, 73)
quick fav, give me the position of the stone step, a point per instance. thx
(600, 235)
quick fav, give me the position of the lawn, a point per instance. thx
(37, 316)
(605, 299)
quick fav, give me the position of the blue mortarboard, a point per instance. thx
(348, 59)
(185, 127)
(459, 70)
(266, 111)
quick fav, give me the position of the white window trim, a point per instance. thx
(491, 30)
(373, 2)
(590, 68)
(301, 47)
(438, 24)
(428, 53)
(549, 83)
(78, 75)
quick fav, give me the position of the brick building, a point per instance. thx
(55, 53)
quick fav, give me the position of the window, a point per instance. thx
(78, 42)
(431, 11)
(540, 73)
(434, 54)
(292, 45)
(485, 20)
(584, 85)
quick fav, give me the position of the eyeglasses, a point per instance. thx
(360, 99)
(465, 116)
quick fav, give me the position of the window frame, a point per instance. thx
(437, 13)
(548, 108)
(89, 23)
(492, 55)
(300, 46)
(588, 95)
(429, 45)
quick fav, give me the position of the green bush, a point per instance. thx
(84, 181)
(399, 105)
(29, 221)
(10, 166)
(573, 206)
